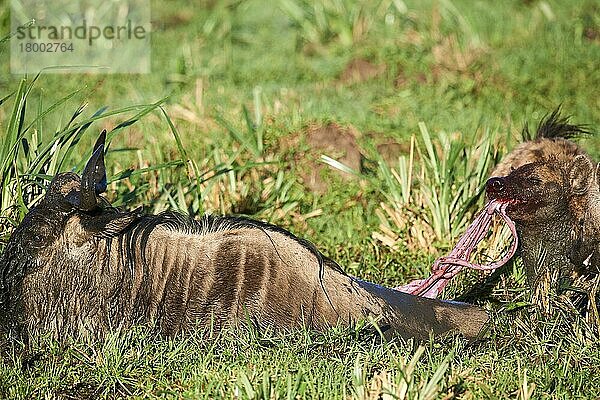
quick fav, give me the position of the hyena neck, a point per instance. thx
(546, 246)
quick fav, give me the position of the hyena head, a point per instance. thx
(544, 191)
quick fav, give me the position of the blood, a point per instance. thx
(447, 267)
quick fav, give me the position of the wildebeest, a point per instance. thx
(77, 267)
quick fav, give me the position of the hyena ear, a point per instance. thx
(581, 175)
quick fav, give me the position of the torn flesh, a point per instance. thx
(447, 267)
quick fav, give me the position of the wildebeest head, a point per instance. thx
(60, 230)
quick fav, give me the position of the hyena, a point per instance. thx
(551, 187)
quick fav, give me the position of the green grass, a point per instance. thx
(231, 81)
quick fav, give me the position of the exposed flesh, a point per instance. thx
(447, 267)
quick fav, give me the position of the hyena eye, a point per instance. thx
(534, 181)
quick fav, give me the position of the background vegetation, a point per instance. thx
(367, 127)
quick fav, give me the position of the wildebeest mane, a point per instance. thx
(140, 230)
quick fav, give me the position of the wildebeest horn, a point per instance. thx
(93, 179)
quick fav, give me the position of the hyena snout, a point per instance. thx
(495, 187)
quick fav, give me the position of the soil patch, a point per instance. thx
(390, 151)
(360, 70)
(307, 146)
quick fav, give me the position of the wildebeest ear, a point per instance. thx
(93, 178)
(581, 175)
(110, 224)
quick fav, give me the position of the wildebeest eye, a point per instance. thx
(39, 236)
